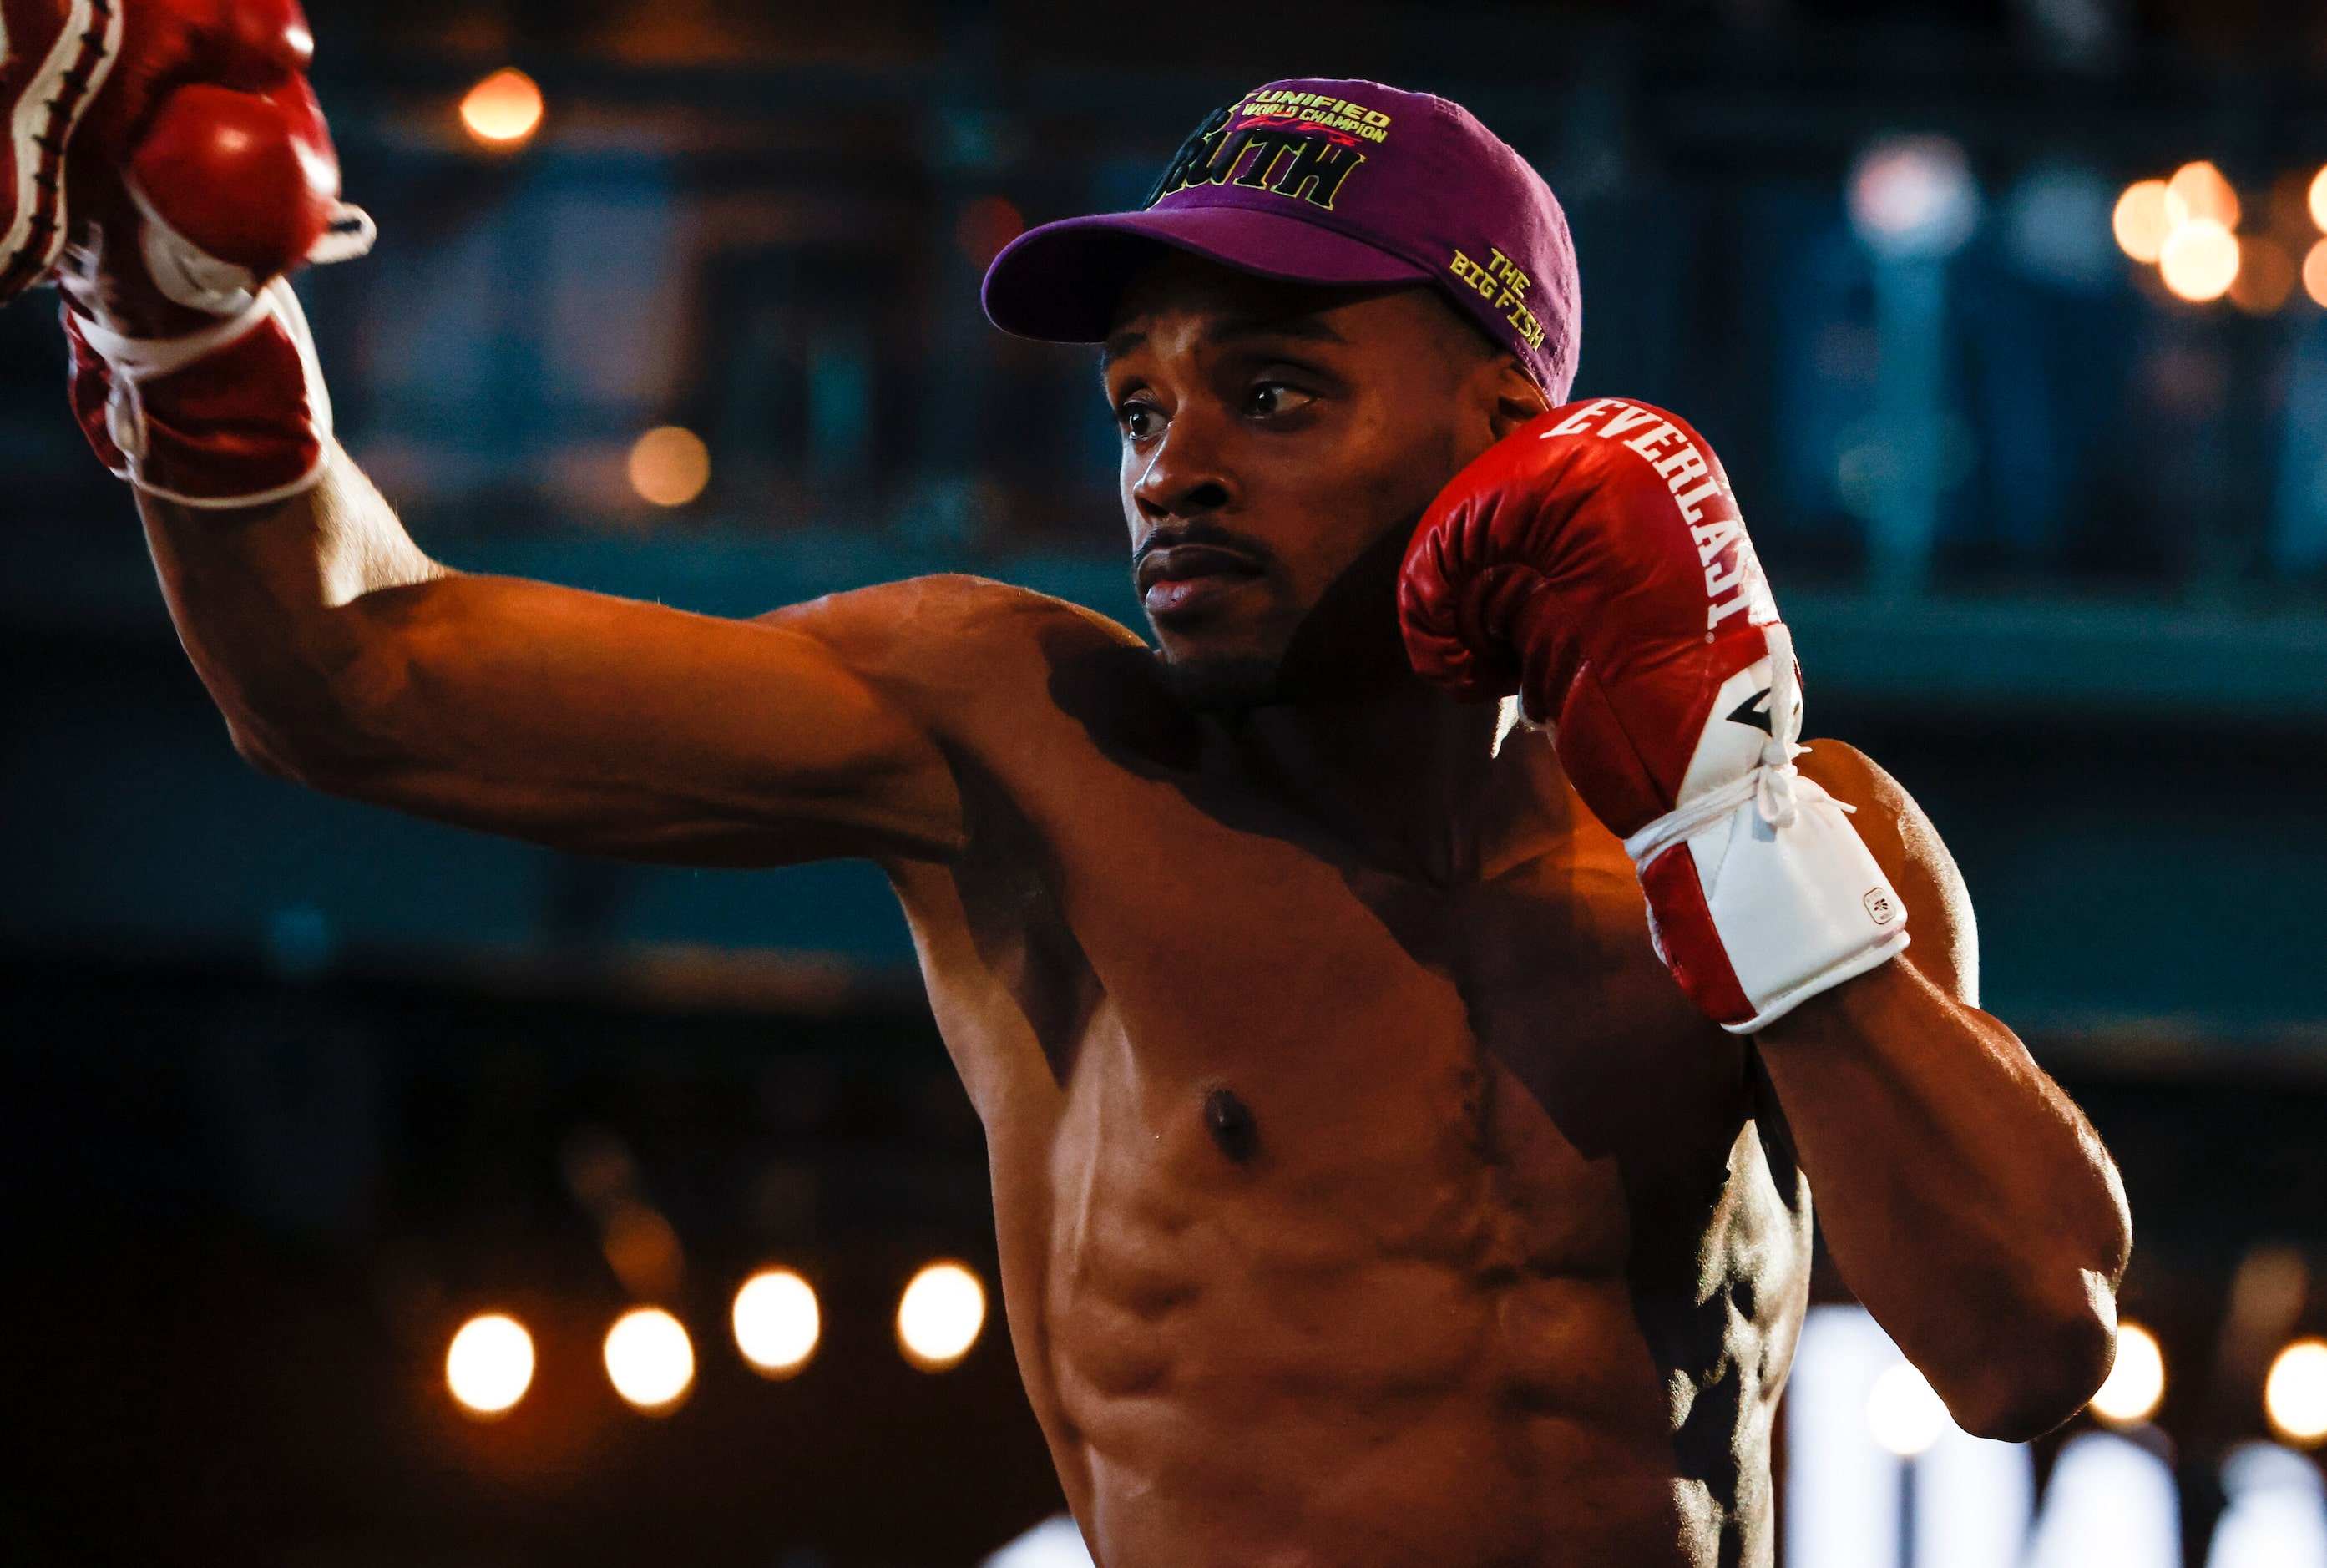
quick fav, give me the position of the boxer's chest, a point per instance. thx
(1248, 1021)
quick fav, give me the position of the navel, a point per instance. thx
(1231, 1123)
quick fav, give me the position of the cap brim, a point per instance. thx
(1061, 283)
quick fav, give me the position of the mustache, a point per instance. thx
(1205, 532)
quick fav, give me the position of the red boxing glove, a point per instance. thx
(1595, 563)
(80, 84)
(204, 174)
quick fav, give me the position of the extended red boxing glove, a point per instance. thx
(204, 174)
(1595, 563)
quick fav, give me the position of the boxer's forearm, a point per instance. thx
(344, 658)
(266, 602)
(1965, 1199)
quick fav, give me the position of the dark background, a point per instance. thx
(292, 1086)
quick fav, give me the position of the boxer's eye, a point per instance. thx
(1140, 420)
(1271, 399)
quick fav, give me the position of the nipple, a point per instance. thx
(1231, 1123)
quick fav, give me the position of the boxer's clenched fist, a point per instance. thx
(233, 189)
(1595, 563)
(201, 175)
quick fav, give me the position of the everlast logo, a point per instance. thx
(1289, 160)
(1733, 580)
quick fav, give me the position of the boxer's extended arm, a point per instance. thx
(341, 655)
(1966, 1200)
(345, 658)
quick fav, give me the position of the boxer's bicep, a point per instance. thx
(344, 658)
(610, 726)
(1904, 844)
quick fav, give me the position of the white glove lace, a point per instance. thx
(1776, 787)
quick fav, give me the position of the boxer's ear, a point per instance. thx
(1517, 398)
(1496, 398)
(1494, 394)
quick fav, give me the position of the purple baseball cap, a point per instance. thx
(1329, 182)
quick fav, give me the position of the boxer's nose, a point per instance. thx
(1183, 475)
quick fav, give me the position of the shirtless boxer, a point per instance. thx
(1368, 1190)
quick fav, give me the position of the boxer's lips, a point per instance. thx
(1186, 578)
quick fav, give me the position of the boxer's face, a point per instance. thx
(1279, 444)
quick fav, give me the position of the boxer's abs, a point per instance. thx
(1413, 1331)
(1242, 1388)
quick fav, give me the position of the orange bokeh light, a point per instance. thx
(650, 1360)
(2200, 261)
(489, 1364)
(504, 109)
(777, 1322)
(2199, 191)
(2140, 220)
(669, 467)
(2315, 274)
(939, 1316)
(2265, 275)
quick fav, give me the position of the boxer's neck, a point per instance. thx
(1409, 777)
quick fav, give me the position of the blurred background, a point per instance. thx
(2003, 313)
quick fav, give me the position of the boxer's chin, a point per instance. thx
(1222, 683)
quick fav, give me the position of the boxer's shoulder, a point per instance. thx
(1852, 775)
(901, 618)
(955, 643)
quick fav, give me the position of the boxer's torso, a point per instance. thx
(1347, 1215)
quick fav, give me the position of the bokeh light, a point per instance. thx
(2200, 261)
(2265, 275)
(1902, 1413)
(504, 109)
(2110, 1502)
(2140, 222)
(939, 1316)
(2056, 223)
(2136, 1383)
(2294, 1396)
(987, 224)
(669, 467)
(649, 1359)
(490, 1364)
(2314, 273)
(2198, 193)
(642, 1249)
(2276, 1516)
(777, 1323)
(1914, 196)
(2318, 198)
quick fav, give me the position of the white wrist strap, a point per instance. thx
(1777, 787)
(133, 360)
(143, 358)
